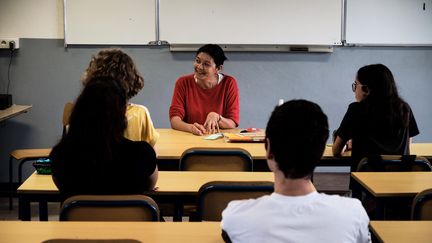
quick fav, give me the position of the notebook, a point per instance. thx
(249, 137)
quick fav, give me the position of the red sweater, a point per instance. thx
(192, 103)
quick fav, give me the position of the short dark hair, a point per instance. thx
(215, 51)
(298, 132)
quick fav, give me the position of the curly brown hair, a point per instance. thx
(117, 65)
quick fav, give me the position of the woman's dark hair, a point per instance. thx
(215, 52)
(383, 101)
(97, 121)
(117, 65)
(298, 132)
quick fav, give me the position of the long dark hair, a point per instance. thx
(97, 121)
(383, 101)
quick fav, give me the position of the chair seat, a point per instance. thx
(109, 208)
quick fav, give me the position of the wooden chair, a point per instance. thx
(211, 159)
(109, 208)
(422, 206)
(394, 163)
(213, 197)
(216, 159)
(66, 115)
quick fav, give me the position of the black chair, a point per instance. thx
(213, 197)
(211, 159)
(216, 159)
(109, 208)
(393, 163)
(422, 206)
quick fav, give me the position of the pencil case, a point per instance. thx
(43, 166)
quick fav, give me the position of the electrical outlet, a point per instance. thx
(5, 43)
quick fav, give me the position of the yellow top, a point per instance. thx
(140, 126)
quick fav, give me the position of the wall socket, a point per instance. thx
(6, 42)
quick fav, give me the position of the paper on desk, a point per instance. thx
(214, 136)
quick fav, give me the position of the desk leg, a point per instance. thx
(43, 210)
(178, 212)
(379, 210)
(23, 208)
(11, 186)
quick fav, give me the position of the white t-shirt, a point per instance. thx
(315, 217)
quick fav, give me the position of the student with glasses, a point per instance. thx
(205, 100)
(380, 122)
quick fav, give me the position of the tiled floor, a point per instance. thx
(6, 214)
(326, 182)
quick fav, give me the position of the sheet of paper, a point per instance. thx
(214, 136)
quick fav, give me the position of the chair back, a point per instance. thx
(394, 163)
(66, 115)
(109, 208)
(216, 159)
(213, 197)
(422, 206)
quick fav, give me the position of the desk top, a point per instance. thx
(13, 111)
(169, 182)
(173, 143)
(390, 184)
(157, 232)
(402, 231)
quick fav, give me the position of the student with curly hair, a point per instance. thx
(119, 66)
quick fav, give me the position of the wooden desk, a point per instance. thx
(180, 186)
(156, 232)
(13, 111)
(172, 144)
(394, 184)
(386, 187)
(169, 182)
(402, 231)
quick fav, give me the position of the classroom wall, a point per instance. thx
(45, 74)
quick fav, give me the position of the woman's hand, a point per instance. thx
(211, 123)
(198, 129)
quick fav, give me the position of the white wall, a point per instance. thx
(31, 19)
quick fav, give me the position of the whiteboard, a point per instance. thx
(388, 22)
(130, 22)
(253, 22)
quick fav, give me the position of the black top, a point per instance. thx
(374, 137)
(127, 173)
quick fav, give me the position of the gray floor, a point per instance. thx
(334, 183)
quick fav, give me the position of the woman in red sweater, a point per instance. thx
(207, 99)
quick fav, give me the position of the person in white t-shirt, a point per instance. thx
(296, 137)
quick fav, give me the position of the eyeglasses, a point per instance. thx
(353, 86)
